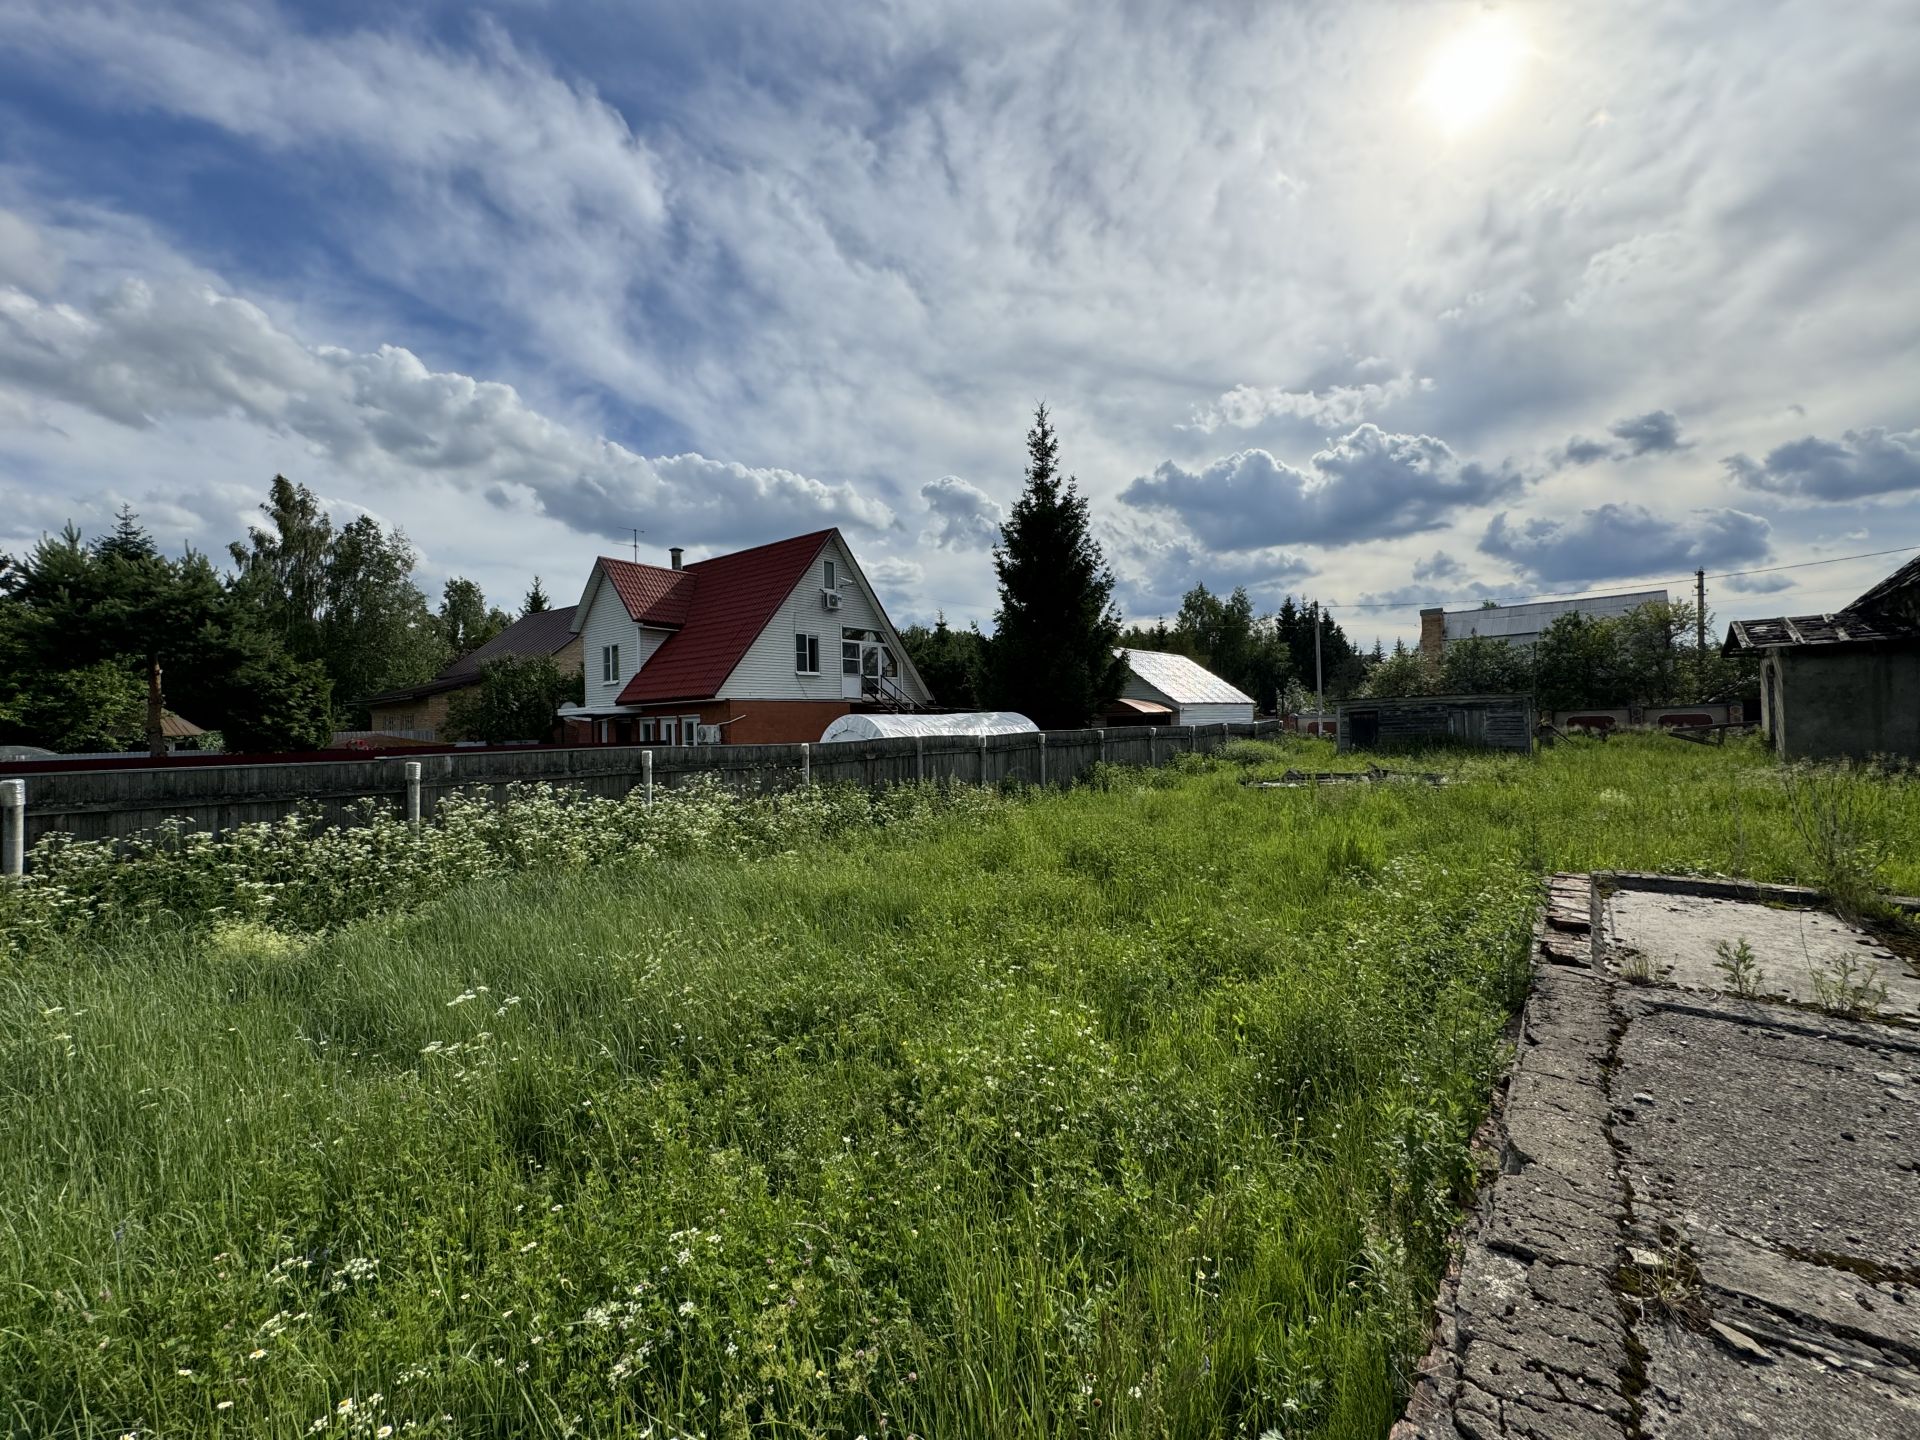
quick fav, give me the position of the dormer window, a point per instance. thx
(832, 579)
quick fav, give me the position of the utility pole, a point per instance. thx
(1700, 632)
(1319, 688)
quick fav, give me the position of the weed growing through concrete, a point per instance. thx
(1738, 963)
(1635, 967)
(1849, 988)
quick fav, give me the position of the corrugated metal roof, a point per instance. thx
(1183, 681)
(1843, 628)
(723, 604)
(1497, 622)
(653, 594)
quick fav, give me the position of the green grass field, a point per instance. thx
(1134, 1110)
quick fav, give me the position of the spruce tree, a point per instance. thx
(536, 601)
(1052, 657)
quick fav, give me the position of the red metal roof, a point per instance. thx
(652, 594)
(723, 604)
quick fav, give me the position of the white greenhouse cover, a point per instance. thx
(894, 727)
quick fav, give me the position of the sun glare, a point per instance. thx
(1471, 75)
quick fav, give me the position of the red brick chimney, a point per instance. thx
(1433, 632)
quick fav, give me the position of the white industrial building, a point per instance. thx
(1167, 689)
(1523, 624)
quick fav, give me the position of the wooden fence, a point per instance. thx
(118, 804)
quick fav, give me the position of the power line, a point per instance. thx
(1637, 585)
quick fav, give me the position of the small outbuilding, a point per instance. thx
(1163, 688)
(1490, 722)
(1844, 685)
(886, 725)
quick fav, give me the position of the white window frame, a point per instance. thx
(689, 729)
(832, 576)
(806, 653)
(609, 664)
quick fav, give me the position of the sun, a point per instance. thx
(1472, 74)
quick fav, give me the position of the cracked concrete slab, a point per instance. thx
(1678, 937)
(1706, 1220)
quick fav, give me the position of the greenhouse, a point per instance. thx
(886, 726)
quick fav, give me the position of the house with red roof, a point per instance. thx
(763, 646)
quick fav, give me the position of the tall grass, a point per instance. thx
(1136, 1110)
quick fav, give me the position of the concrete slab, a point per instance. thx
(1788, 1140)
(1707, 1217)
(1677, 937)
(1702, 1388)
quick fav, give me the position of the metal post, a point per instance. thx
(646, 775)
(983, 759)
(806, 765)
(1700, 631)
(1153, 758)
(920, 758)
(1042, 738)
(413, 796)
(13, 800)
(1319, 688)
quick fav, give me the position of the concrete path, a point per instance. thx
(1707, 1217)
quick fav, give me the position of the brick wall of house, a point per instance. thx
(429, 713)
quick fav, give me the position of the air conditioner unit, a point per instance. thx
(830, 599)
(707, 735)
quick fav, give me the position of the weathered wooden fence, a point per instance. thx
(116, 804)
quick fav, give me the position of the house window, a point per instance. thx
(849, 657)
(609, 663)
(806, 654)
(833, 577)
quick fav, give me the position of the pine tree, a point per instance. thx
(1053, 654)
(536, 601)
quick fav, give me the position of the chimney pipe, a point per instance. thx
(674, 551)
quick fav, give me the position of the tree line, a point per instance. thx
(100, 638)
(1649, 656)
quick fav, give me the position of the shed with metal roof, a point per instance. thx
(1163, 688)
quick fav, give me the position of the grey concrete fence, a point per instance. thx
(119, 804)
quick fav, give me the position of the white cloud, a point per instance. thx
(143, 355)
(1368, 484)
(1618, 540)
(962, 516)
(1336, 407)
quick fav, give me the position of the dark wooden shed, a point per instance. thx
(1492, 722)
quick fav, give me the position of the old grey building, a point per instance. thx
(1844, 685)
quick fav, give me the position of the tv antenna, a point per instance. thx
(636, 545)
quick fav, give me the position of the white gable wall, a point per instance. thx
(1137, 689)
(766, 671)
(608, 623)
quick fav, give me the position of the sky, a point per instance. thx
(1389, 304)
